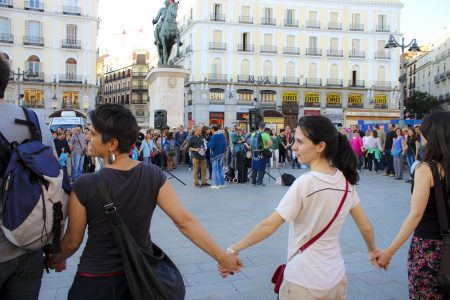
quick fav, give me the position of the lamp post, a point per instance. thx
(54, 102)
(392, 43)
(20, 75)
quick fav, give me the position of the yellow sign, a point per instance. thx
(380, 99)
(290, 96)
(274, 120)
(334, 100)
(312, 98)
(354, 99)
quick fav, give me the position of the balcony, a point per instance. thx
(356, 54)
(383, 84)
(33, 41)
(71, 78)
(356, 27)
(72, 10)
(6, 3)
(34, 104)
(267, 79)
(246, 79)
(139, 89)
(6, 38)
(34, 76)
(313, 82)
(313, 24)
(140, 74)
(217, 17)
(291, 50)
(269, 49)
(356, 84)
(335, 83)
(382, 28)
(217, 77)
(436, 78)
(71, 44)
(268, 21)
(442, 76)
(313, 52)
(291, 80)
(334, 26)
(246, 48)
(382, 55)
(290, 23)
(34, 5)
(245, 19)
(217, 46)
(335, 53)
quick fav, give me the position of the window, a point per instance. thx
(245, 95)
(217, 36)
(356, 19)
(34, 29)
(334, 71)
(268, 96)
(33, 98)
(217, 10)
(245, 67)
(334, 43)
(267, 40)
(355, 73)
(381, 74)
(34, 64)
(334, 17)
(216, 94)
(71, 100)
(290, 69)
(312, 16)
(71, 33)
(245, 11)
(381, 44)
(216, 67)
(71, 68)
(140, 59)
(267, 13)
(312, 70)
(5, 26)
(382, 20)
(355, 45)
(313, 42)
(267, 68)
(290, 16)
(290, 41)
(34, 3)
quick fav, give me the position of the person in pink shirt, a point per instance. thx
(357, 146)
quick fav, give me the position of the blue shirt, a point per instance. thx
(147, 147)
(217, 144)
(63, 159)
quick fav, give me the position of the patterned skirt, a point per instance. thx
(424, 260)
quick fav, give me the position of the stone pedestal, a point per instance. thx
(166, 91)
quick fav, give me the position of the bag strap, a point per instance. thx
(32, 122)
(105, 196)
(322, 232)
(440, 203)
(79, 142)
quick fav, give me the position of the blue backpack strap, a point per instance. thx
(32, 122)
(6, 149)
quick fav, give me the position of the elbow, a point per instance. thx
(184, 223)
(367, 229)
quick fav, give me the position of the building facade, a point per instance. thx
(126, 86)
(297, 57)
(51, 45)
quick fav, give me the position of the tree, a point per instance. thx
(421, 103)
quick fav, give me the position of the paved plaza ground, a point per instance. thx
(230, 213)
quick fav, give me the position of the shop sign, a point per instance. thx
(355, 100)
(312, 100)
(290, 96)
(380, 101)
(275, 120)
(312, 112)
(242, 116)
(334, 100)
(216, 115)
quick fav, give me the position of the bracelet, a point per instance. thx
(232, 251)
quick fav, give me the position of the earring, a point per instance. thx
(111, 158)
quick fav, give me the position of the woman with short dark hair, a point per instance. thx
(425, 252)
(136, 188)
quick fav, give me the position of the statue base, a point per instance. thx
(166, 91)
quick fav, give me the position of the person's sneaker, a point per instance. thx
(190, 169)
(392, 175)
(385, 174)
(222, 186)
(197, 185)
(261, 185)
(205, 184)
(215, 186)
(375, 172)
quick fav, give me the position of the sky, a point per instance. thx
(420, 19)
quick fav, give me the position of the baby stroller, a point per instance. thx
(230, 176)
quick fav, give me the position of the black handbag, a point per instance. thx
(444, 270)
(149, 274)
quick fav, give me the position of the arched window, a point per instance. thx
(216, 67)
(71, 68)
(34, 64)
(381, 74)
(312, 70)
(290, 70)
(245, 67)
(334, 71)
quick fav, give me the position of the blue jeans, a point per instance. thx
(20, 278)
(410, 161)
(77, 165)
(217, 166)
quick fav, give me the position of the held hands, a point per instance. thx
(51, 263)
(229, 264)
(381, 259)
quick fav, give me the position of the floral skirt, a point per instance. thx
(424, 260)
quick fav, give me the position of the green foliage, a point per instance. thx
(421, 103)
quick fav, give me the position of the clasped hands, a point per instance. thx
(381, 258)
(229, 264)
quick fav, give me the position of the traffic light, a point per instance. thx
(254, 117)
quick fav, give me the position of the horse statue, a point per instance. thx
(168, 33)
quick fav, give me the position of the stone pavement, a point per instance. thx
(230, 213)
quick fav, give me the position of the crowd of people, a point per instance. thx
(315, 206)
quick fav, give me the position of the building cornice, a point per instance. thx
(49, 14)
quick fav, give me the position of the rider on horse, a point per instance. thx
(161, 14)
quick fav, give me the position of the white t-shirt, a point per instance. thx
(308, 206)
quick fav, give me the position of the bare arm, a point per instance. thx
(192, 229)
(260, 232)
(364, 226)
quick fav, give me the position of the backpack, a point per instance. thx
(287, 179)
(35, 190)
(257, 142)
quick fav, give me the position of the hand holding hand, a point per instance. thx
(53, 264)
(382, 258)
(229, 264)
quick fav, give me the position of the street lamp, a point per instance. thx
(19, 75)
(392, 43)
(54, 102)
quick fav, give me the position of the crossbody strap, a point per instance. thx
(105, 196)
(440, 203)
(322, 232)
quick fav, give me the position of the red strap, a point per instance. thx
(319, 235)
(112, 274)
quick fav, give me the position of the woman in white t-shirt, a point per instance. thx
(309, 205)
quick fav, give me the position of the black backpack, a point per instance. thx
(287, 179)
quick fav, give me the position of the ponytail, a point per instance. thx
(345, 159)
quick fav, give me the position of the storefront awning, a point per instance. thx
(268, 92)
(57, 114)
(245, 91)
(216, 90)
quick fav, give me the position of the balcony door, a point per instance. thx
(33, 65)
(34, 4)
(71, 33)
(71, 68)
(34, 30)
(313, 42)
(5, 26)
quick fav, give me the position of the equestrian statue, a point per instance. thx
(166, 32)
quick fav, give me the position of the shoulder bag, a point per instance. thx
(149, 275)
(444, 270)
(278, 276)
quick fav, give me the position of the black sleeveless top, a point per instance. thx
(428, 227)
(134, 193)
